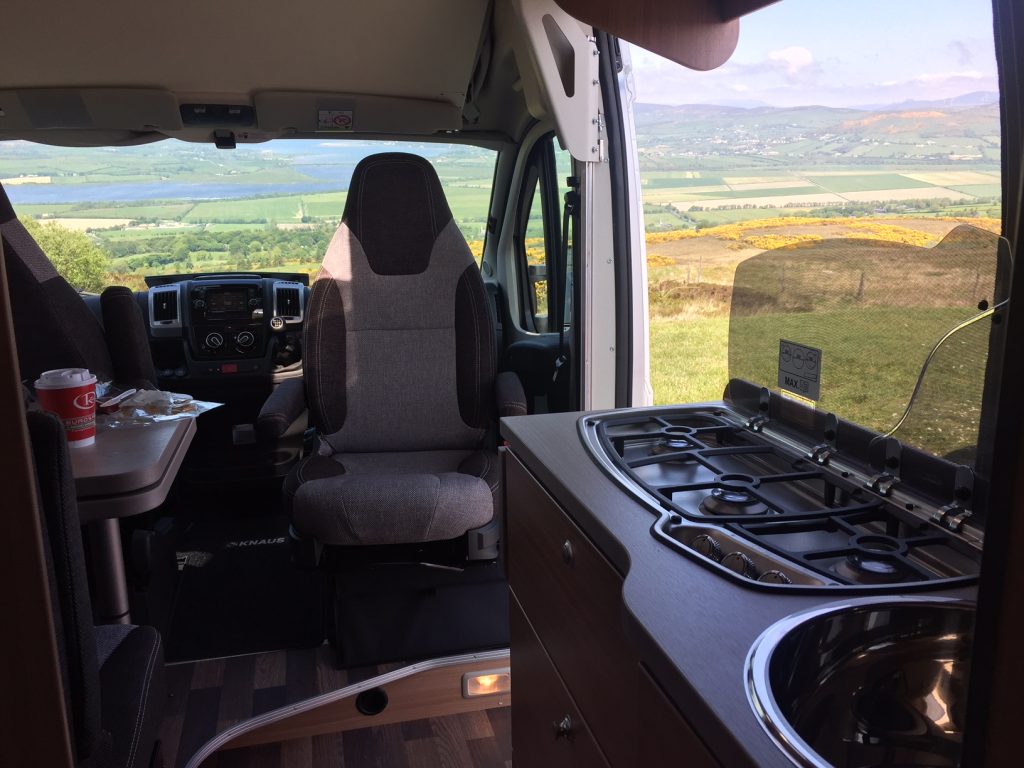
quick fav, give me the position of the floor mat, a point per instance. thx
(239, 593)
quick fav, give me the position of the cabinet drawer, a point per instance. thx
(541, 705)
(573, 598)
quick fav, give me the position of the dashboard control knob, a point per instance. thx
(708, 547)
(741, 564)
(214, 340)
(774, 577)
(253, 303)
(276, 323)
(199, 305)
(245, 339)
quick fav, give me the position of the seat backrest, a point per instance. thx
(399, 346)
(69, 588)
(52, 325)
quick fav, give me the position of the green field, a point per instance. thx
(671, 181)
(866, 183)
(868, 374)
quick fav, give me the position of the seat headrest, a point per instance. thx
(396, 209)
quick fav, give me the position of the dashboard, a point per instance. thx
(220, 325)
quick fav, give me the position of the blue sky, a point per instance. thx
(839, 53)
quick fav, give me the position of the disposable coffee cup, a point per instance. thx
(71, 394)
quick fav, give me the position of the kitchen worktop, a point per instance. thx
(692, 627)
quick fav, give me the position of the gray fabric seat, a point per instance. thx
(54, 328)
(394, 498)
(112, 675)
(399, 371)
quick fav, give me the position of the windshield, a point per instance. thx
(111, 215)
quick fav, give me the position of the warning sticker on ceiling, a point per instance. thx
(336, 120)
(800, 370)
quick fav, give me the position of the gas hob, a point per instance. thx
(776, 511)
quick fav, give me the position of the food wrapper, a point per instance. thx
(143, 407)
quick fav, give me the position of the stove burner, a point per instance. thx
(732, 500)
(675, 439)
(874, 563)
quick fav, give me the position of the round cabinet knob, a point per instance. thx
(214, 340)
(199, 305)
(276, 323)
(741, 564)
(568, 553)
(245, 339)
(563, 728)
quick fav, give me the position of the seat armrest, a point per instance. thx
(285, 404)
(508, 391)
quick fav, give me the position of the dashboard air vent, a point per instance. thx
(288, 301)
(163, 307)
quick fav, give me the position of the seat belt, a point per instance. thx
(570, 225)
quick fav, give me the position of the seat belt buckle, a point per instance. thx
(560, 361)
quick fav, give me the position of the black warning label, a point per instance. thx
(800, 369)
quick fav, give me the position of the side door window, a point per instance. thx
(539, 235)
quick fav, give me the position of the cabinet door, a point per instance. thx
(547, 727)
(665, 738)
(573, 598)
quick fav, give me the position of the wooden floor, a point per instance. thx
(474, 740)
(207, 697)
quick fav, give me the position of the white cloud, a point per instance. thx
(795, 57)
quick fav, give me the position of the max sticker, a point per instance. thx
(800, 370)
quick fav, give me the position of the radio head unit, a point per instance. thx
(225, 301)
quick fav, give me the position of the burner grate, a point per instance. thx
(702, 467)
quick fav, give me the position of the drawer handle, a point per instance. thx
(563, 728)
(568, 554)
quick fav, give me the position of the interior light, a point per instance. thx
(486, 683)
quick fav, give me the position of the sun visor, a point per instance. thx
(104, 109)
(303, 112)
(699, 34)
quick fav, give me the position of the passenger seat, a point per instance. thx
(113, 675)
(54, 328)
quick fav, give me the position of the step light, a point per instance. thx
(486, 683)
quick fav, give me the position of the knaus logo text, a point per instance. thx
(85, 401)
(255, 542)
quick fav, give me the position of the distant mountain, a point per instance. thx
(964, 130)
(972, 99)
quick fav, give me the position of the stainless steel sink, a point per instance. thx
(865, 683)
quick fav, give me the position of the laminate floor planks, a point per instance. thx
(207, 697)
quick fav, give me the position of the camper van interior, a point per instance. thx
(356, 359)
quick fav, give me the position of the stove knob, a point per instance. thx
(708, 547)
(245, 339)
(774, 577)
(741, 564)
(214, 340)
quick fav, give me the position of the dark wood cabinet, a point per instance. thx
(570, 654)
